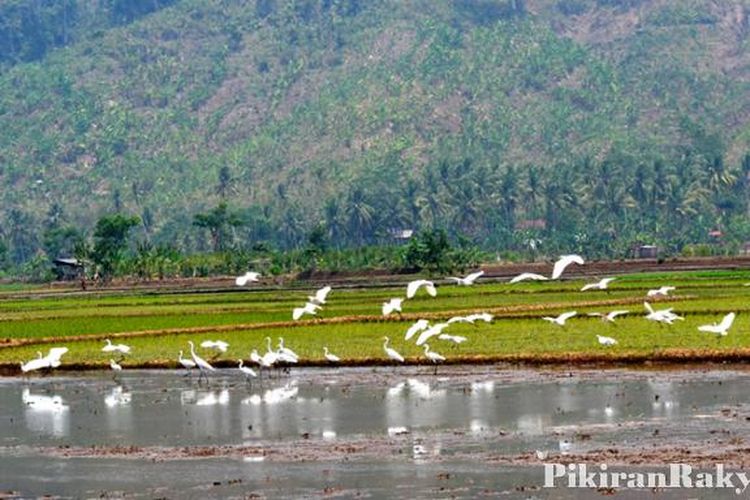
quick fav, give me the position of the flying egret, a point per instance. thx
(603, 284)
(414, 286)
(468, 280)
(431, 332)
(563, 262)
(459, 319)
(393, 305)
(561, 319)
(201, 363)
(392, 353)
(486, 317)
(528, 276)
(35, 364)
(320, 296)
(330, 357)
(309, 308)
(187, 364)
(722, 328)
(247, 371)
(217, 345)
(54, 355)
(456, 339)
(610, 316)
(246, 278)
(606, 341)
(110, 347)
(417, 327)
(662, 316)
(660, 292)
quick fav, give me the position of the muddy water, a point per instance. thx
(462, 432)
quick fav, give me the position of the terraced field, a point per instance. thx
(157, 324)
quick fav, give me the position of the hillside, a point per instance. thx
(623, 118)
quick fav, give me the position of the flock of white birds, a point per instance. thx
(422, 328)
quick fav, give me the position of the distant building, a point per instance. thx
(401, 234)
(646, 252)
(69, 268)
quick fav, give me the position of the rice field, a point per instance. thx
(159, 323)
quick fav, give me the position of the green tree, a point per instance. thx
(110, 241)
(219, 220)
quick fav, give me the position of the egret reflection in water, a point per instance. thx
(45, 414)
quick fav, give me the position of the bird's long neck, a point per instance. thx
(325, 350)
(268, 343)
(385, 344)
(240, 363)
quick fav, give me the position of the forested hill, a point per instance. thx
(596, 123)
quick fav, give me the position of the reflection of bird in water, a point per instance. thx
(117, 398)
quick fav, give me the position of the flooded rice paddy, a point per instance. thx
(463, 432)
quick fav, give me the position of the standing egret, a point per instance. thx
(561, 319)
(330, 357)
(660, 292)
(309, 308)
(528, 276)
(414, 286)
(468, 280)
(417, 327)
(248, 372)
(393, 305)
(606, 341)
(721, 329)
(187, 364)
(602, 284)
(433, 356)
(201, 363)
(563, 262)
(115, 367)
(286, 351)
(246, 278)
(320, 296)
(392, 353)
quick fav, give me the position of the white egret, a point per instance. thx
(660, 292)
(662, 316)
(602, 284)
(606, 341)
(393, 305)
(563, 262)
(330, 357)
(115, 366)
(201, 363)
(54, 355)
(420, 325)
(414, 286)
(247, 371)
(458, 319)
(431, 332)
(561, 319)
(456, 339)
(528, 276)
(110, 347)
(486, 317)
(309, 308)
(187, 364)
(722, 328)
(35, 364)
(468, 280)
(610, 316)
(217, 345)
(392, 353)
(432, 355)
(248, 277)
(270, 357)
(286, 352)
(320, 296)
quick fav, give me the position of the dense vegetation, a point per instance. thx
(316, 126)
